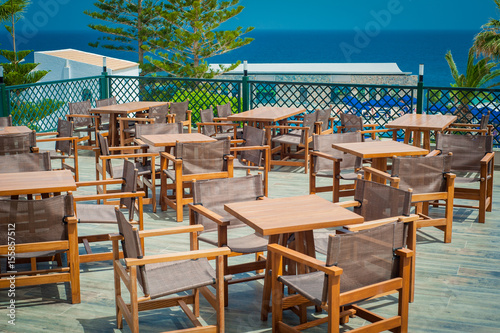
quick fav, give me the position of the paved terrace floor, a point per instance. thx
(457, 284)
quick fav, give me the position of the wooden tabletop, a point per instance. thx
(36, 182)
(14, 130)
(169, 140)
(377, 149)
(267, 114)
(293, 214)
(422, 122)
(126, 108)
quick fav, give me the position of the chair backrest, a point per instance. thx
(159, 113)
(64, 130)
(105, 102)
(366, 257)
(207, 116)
(130, 174)
(350, 122)
(27, 162)
(467, 150)
(17, 143)
(379, 201)
(308, 121)
(131, 246)
(323, 116)
(81, 108)
(224, 111)
(323, 143)
(180, 110)
(485, 118)
(36, 220)
(252, 136)
(6, 121)
(213, 194)
(104, 151)
(203, 157)
(423, 174)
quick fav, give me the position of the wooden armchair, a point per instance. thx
(327, 162)
(40, 228)
(65, 145)
(180, 113)
(108, 165)
(224, 111)
(164, 275)
(84, 122)
(473, 163)
(353, 123)
(252, 153)
(128, 198)
(192, 161)
(323, 123)
(298, 137)
(209, 197)
(430, 179)
(363, 265)
(218, 130)
(483, 128)
(18, 143)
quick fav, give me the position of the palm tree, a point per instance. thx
(487, 42)
(477, 75)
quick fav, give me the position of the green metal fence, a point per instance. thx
(39, 105)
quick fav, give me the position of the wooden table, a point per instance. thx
(379, 151)
(37, 182)
(266, 115)
(294, 215)
(169, 140)
(14, 130)
(421, 123)
(122, 110)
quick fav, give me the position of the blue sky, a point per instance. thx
(67, 15)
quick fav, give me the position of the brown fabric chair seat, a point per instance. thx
(246, 244)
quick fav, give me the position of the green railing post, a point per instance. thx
(245, 88)
(103, 81)
(420, 89)
(4, 100)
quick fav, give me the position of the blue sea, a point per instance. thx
(406, 48)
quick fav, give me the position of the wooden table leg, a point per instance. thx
(379, 163)
(112, 130)
(427, 140)
(417, 138)
(407, 136)
(266, 293)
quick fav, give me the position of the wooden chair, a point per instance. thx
(253, 154)
(159, 113)
(224, 111)
(298, 137)
(353, 123)
(128, 198)
(40, 228)
(166, 274)
(209, 198)
(363, 265)
(192, 161)
(104, 118)
(328, 162)
(111, 166)
(65, 146)
(431, 180)
(18, 143)
(6, 121)
(181, 114)
(473, 163)
(211, 128)
(84, 122)
(483, 128)
(323, 123)
(156, 115)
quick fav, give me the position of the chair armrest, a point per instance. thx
(376, 223)
(487, 158)
(120, 148)
(109, 181)
(208, 214)
(405, 253)
(381, 174)
(285, 127)
(62, 138)
(381, 130)
(47, 133)
(304, 259)
(143, 120)
(103, 196)
(323, 155)
(170, 231)
(220, 251)
(221, 119)
(250, 148)
(370, 125)
(435, 152)
(349, 203)
(169, 156)
(82, 116)
(136, 155)
(471, 130)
